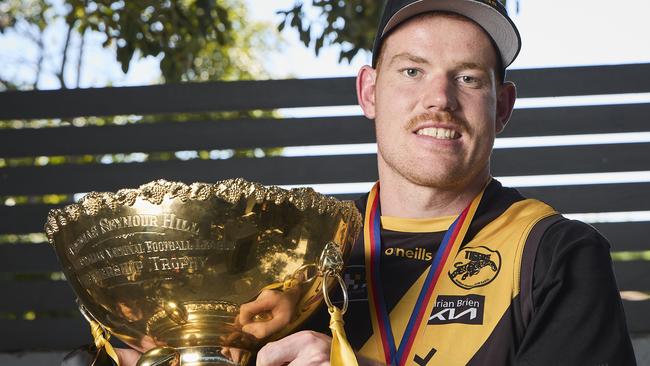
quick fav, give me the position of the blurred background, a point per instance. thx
(52, 44)
(100, 95)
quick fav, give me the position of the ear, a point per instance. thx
(506, 95)
(366, 80)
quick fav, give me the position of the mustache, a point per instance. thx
(440, 116)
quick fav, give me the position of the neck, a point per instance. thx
(402, 198)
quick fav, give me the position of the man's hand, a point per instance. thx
(127, 356)
(281, 305)
(304, 348)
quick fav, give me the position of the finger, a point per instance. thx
(225, 352)
(266, 301)
(235, 354)
(302, 348)
(276, 354)
(258, 330)
(127, 357)
(263, 329)
(282, 312)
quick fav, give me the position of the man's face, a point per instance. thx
(434, 98)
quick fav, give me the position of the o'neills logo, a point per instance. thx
(416, 253)
(458, 309)
(475, 267)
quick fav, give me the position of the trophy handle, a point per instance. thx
(331, 265)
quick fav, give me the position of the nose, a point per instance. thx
(439, 94)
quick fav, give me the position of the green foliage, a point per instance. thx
(32, 17)
(194, 36)
(238, 59)
(195, 40)
(30, 11)
(352, 24)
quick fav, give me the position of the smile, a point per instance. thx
(439, 133)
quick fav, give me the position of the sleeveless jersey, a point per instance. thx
(478, 298)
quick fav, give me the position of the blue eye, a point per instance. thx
(411, 72)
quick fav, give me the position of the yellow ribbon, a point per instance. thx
(341, 353)
(101, 341)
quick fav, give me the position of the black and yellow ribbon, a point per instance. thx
(101, 337)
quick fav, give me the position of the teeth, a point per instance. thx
(439, 133)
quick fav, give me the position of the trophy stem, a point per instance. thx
(195, 356)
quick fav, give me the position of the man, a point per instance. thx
(512, 282)
(452, 268)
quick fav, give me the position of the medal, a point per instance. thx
(399, 354)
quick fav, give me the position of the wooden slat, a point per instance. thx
(52, 334)
(582, 80)
(571, 159)
(305, 170)
(245, 95)
(98, 177)
(578, 120)
(594, 198)
(208, 135)
(178, 136)
(636, 314)
(178, 98)
(39, 296)
(24, 219)
(626, 236)
(632, 275)
(28, 258)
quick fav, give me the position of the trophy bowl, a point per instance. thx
(201, 274)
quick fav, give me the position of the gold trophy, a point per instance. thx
(201, 274)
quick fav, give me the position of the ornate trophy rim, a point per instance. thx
(229, 190)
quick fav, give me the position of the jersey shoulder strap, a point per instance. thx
(529, 254)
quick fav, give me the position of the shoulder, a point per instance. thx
(574, 231)
(566, 238)
(572, 253)
(575, 300)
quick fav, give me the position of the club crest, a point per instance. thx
(475, 267)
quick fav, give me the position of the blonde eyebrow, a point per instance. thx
(410, 57)
(472, 65)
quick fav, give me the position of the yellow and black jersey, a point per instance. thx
(525, 287)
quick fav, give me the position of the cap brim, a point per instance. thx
(500, 28)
